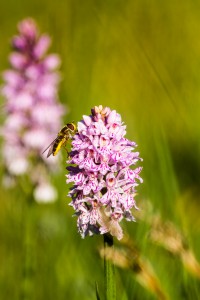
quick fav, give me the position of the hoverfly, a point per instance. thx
(63, 136)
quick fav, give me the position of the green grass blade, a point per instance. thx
(109, 271)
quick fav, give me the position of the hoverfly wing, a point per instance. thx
(50, 147)
(50, 150)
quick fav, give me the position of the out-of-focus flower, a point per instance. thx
(33, 114)
(104, 182)
(44, 193)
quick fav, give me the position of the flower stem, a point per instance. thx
(109, 271)
(27, 288)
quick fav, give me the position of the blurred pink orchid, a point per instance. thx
(33, 114)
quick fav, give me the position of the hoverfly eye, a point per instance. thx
(71, 126)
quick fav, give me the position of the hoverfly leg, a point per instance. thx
(65, 147)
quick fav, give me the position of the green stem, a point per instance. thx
(109, 270)
(28, 261)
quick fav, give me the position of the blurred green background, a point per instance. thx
(141, 58)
